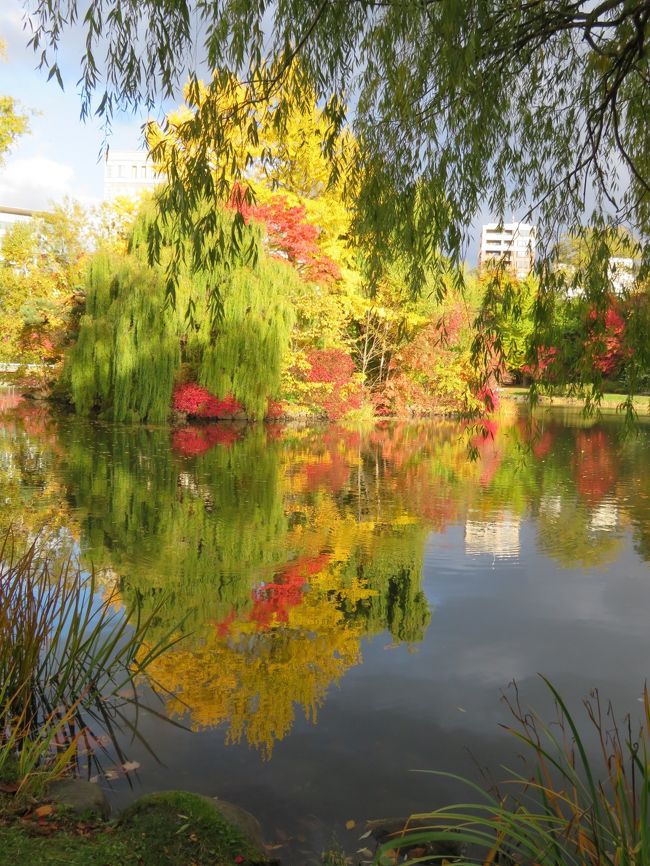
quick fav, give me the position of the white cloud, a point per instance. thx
(35, 182)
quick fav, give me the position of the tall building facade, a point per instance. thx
(510, 243)
(129, 173)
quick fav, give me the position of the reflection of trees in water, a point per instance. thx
(32, 495)
(262, 549)
(279, 553)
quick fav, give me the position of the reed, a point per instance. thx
(69, 661)
(567, 809)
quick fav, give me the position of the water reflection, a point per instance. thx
(276, 552)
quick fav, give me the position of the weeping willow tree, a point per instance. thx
(127, 352)
(242, 354)
(131, 344)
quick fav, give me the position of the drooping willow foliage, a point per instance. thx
(131, 345)
(245, 358)
(127, 353)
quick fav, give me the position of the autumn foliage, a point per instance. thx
(198, 402)
(607, 346)
(333, 384)
(289, 235)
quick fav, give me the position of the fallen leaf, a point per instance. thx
(130, 765)
(44, 811)
(350, 825)
(365, 851)
(111, 774)
(8, 787)
(365, 835)
(461, 709)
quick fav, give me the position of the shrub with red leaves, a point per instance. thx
(489, 397)
(546, 357)
(200, 403)
(607, 347)
(334, 369)
(274, 410)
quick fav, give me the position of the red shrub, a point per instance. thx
(546, 357)
(200, 403)
(607, 346)
(274, 410)
(334, 368)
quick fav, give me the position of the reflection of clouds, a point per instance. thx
(511, 621)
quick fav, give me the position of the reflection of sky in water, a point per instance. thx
(305, 565)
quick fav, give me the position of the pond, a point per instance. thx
(352, 603)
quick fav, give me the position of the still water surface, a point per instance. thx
(353, 603)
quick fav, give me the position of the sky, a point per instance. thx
(61, 156)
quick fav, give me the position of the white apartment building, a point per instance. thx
(510, 243)
(621, 272)
(129, 173)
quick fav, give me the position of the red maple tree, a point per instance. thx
(289, 235)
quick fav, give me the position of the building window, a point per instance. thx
(134, 172)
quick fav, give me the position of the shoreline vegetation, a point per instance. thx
(508, 396)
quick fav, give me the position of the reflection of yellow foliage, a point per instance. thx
(254, 681)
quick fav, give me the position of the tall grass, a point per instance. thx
(567, 809)
(69, 658)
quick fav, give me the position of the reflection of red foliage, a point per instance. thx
(200, 403)
(9, 400)
(192, 441)
(289, 235)
(489, 453)
(332, 474)
(272, 601)
(595, 466)
(543, 444)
